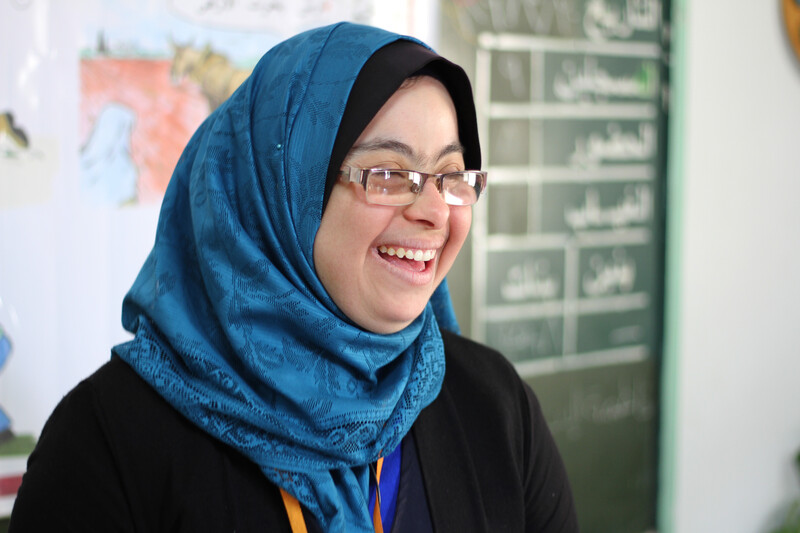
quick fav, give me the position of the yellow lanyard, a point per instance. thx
(298, 523)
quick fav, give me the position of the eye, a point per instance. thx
(451, 167)
(399, 175)
(387, 181)
(395, 180)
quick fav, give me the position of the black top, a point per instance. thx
(114, 456)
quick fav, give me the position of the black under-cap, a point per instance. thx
(382, 74)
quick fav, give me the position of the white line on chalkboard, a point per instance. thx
(508, 41)
(577, 306)
(552, 365)
(561, 174)
(539, 241)
(623, 302)
(616, 111)
(505, 313)
(614, 237)
(549, 241)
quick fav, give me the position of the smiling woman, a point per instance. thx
(295, 357)
(379, 291)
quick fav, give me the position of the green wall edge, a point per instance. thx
(673, 283)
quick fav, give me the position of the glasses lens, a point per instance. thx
(390, 187)
(462, 188)
(401, 187)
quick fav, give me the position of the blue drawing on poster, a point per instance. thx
(5, 350)
(109, 173)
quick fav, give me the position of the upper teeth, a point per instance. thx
(416, 255)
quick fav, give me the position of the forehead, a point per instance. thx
(418, 121)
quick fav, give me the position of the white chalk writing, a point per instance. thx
(635, 207)
(538, 338)
(617, 145)
(280, 16)
(631, 399)
(602, 21)
(530, 280)
(536, 16)
(608, 277)
(592, 82)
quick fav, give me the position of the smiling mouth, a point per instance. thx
(407, 258)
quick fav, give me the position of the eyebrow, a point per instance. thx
(402, 149)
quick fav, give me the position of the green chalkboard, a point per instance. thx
(566, 255)
(604, 420)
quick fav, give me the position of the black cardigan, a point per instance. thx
(114, 456)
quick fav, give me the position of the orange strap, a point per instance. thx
(295, 513)
(376, 514)
(296, 520)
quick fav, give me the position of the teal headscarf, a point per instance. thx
(233, 327)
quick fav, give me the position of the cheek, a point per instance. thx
(331, 238)
(460, 222)
(344, 242)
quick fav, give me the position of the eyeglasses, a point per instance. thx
(402, 187)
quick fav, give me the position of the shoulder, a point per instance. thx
(128, 404)
(114, 451)
(114, 391)
(75, 466)
(149, 436)
(115, 419)
(124, 410)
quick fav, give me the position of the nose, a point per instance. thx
(429, 208)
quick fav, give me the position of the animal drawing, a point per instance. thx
(12, 131)
(217, 77)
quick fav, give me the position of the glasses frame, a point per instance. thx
(360, 176)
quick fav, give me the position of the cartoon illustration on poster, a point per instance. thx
(5, 350)
(12, 135)
(151, 72)
(14, 447)
(28, 146)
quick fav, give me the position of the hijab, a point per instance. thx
(231, 324)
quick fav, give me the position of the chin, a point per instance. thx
(393, 324)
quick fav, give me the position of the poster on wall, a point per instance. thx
(150, 72)
(14, 447)
(28, 139)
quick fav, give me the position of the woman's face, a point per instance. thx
(416, 129)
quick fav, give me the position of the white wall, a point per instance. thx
(733, 385)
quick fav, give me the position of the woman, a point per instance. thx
(287, 349)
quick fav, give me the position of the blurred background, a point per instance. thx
(636, 257)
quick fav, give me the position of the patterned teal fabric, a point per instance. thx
(232, 325)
